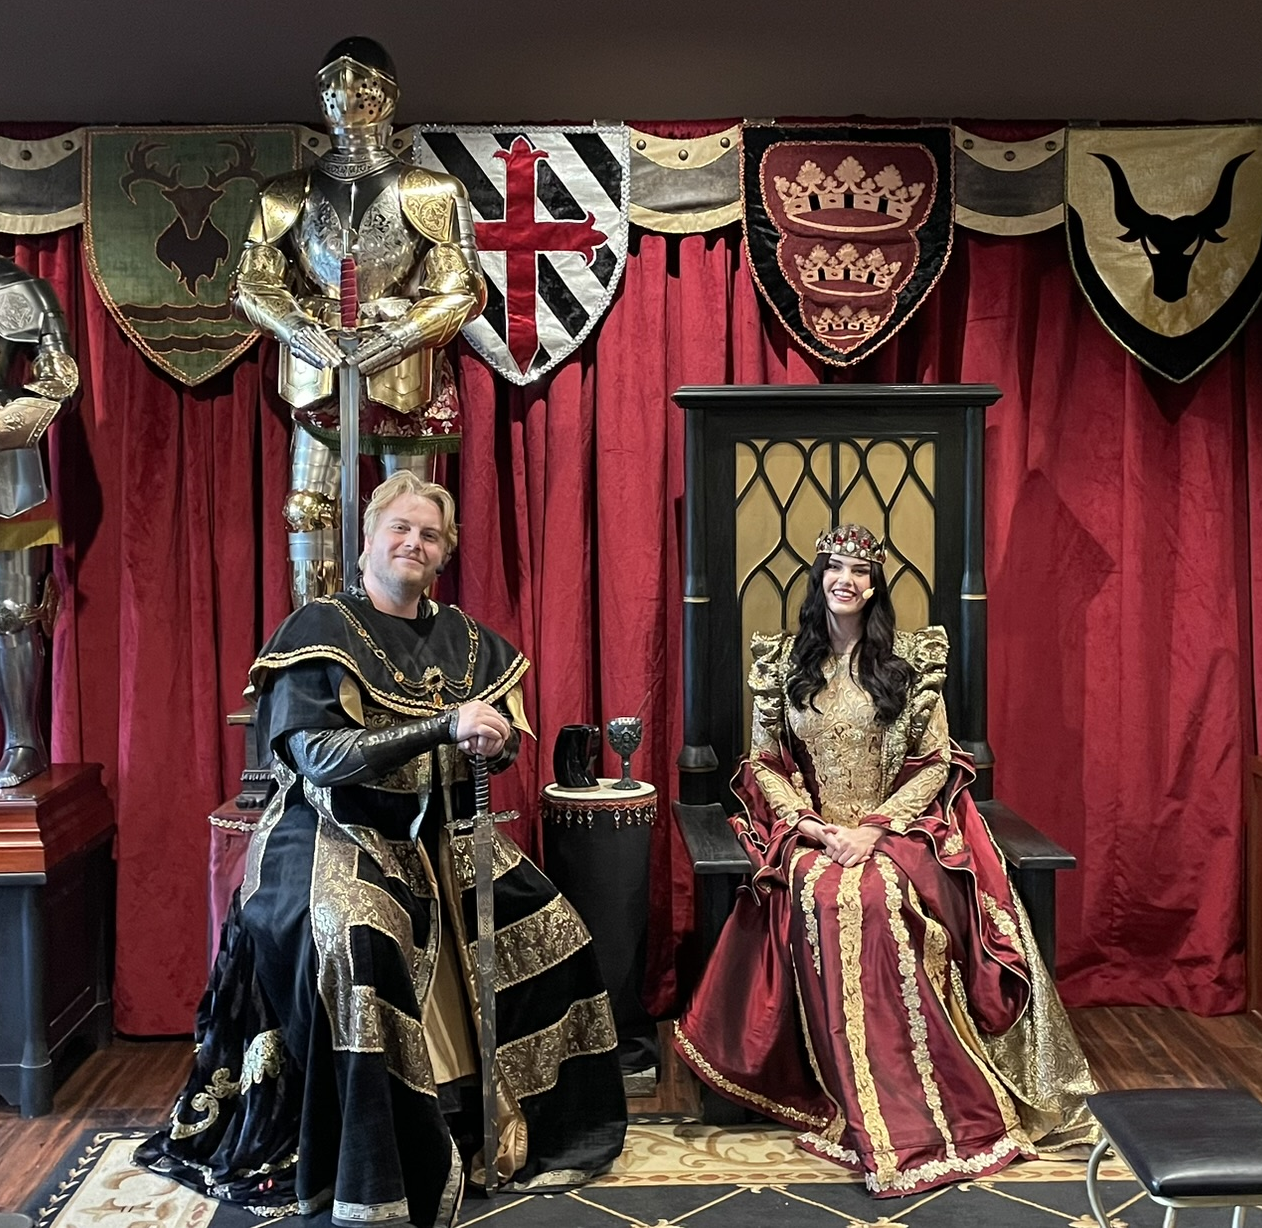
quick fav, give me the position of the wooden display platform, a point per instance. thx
(56, 895)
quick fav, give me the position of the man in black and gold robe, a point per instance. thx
(336, 1063)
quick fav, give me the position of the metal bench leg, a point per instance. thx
(1237, 1217)
(1172, 1218)
(1093, 1194)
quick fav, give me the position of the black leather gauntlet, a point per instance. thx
(352, 756)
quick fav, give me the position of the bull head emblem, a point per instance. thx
(1172, 243)
(192, 246)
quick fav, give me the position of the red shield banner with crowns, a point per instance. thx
(847, 229)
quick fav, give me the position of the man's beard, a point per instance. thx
(400, 589)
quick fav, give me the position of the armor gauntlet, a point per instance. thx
(356, 756)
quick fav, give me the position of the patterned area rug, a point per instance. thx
(673, 1174)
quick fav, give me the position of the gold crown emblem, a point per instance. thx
(884, 195)
(846, 322)
(852, 540)
(845, 272)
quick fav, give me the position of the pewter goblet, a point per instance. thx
(624, 734)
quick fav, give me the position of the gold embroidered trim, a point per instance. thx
(272, 812)
(786, 797)
(916, 1025)
(506, 856)
(781, 1110)
(360, 1021)
(1004, 921)
(234, 824)
(551, 1180)
(933, 1170)
(832, 1148)
(806, 898)
(536, 943)
(402, 704)
(532, 1064)
(370, 1212)
(850, 919)
(264, 1057)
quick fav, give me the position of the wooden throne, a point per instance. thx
(766, 468)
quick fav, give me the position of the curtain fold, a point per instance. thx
(1124, 568)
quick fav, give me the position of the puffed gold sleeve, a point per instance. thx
(928, 737)
(785, 794)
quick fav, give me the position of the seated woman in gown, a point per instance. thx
(878, 988)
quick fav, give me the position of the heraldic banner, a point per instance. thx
(1009, 187)
(550, 214)
(166, 213)
(1165, 229)
(847, 229)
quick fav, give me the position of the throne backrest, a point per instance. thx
(767, 468)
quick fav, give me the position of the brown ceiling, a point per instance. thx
(229, 61)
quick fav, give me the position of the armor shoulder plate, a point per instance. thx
(428, 199)
(279, 203)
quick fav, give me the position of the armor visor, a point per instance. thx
(357, 101)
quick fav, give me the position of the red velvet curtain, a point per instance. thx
(172, 568)
(1125, 589)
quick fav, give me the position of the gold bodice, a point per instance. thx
(856, 763)
(844, 742)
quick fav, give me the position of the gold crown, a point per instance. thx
(884, 195)
(846, 273)
(847, 322)
(852, 540)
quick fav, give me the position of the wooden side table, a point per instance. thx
(596, 850)
(56, 895)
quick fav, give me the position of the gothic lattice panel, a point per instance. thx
(787, 491)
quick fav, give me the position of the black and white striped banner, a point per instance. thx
(550, 211)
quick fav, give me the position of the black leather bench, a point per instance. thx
(1188, 1147)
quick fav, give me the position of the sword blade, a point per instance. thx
(484, 887)
(348, 396)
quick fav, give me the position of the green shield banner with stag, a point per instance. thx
(166, 214)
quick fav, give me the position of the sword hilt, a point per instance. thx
(481, 784)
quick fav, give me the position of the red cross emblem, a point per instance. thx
(521, 236)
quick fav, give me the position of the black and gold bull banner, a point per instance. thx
(1165, 229)
(847, 229)
(166, 212)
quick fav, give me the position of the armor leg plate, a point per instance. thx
(311, 512)
(420, 463)
(21, 666)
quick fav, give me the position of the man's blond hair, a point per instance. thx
(405, 482)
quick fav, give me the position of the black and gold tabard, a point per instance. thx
(338, 1019)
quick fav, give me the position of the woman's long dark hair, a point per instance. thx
(874, 666)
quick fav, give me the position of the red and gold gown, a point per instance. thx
(895, 1012)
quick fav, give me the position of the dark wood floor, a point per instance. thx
(132, 1083)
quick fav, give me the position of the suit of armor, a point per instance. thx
(409, 233)
(30, 318)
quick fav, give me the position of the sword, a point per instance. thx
(348, 398)
(484, 888)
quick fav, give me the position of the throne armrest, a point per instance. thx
(712, 845)
(1033, 860)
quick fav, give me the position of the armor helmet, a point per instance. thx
(358, 87)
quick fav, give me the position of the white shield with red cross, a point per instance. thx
(550, 211)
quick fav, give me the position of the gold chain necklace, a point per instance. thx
(433, 681)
